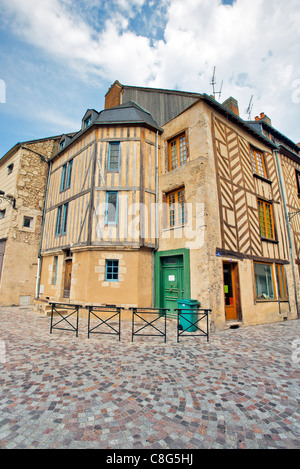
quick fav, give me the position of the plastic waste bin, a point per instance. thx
(189, 314)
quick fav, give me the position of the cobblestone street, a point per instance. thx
(239, 390)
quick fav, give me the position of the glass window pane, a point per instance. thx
(112, 270)
(114, 156)
(111, 209)
(264, 281)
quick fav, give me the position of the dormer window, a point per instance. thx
(62, 144)
(87, 121)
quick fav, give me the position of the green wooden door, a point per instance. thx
(172, 283)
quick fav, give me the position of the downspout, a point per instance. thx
(289, 231)
(156, 220)
(38, 280)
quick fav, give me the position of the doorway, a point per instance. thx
(172, 282)
(172, 279)
(68, 278)
(232, 291)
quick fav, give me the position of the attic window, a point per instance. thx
(10, 168)
(62, 144)
(87, 121)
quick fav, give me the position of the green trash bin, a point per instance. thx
(189, 314)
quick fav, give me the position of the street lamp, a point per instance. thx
(9, 198)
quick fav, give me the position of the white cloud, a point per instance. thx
(254, 45)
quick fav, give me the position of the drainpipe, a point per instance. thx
(38, 280)
(289, 231)
(156, 220)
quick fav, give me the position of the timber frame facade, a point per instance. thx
(99, 229)
(198, 206)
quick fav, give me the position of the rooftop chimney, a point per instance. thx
(232, 105)
(263, 117)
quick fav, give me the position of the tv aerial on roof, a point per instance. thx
(249, 108)
(213, 83)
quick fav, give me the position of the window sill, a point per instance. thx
(169, 228)
(262, 178)
(274, 241)
(271, 300)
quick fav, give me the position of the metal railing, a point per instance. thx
(158, 324)
(59, 309)
(105, 319)
(188, 321)
(109, 320)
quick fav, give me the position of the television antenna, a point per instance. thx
(249, 108)
(213, 83)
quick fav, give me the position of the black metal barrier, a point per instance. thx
(191, 319)
(161, 329)
(101, 312)
(59, 308)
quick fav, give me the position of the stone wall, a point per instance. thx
(19, 274)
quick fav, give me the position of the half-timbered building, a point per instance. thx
(235, 256)
(99, 227)
(140, 213)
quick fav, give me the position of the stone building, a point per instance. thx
(23, 182)
(227, 246)
(167, 195)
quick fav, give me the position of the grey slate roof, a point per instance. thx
(129, 112)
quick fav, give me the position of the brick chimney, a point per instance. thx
(263, 117)
(232, 105)
(113, 96)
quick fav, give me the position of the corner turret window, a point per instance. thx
(114, 156)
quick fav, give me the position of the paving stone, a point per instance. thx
(239, 390)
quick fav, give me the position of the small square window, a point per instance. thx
(2, 214)
(28, 222)
(112, 270)
(10, 168)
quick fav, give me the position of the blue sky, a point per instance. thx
(59, 57)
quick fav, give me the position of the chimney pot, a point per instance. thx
(232, 105)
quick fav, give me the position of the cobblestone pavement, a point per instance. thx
(239, 390)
